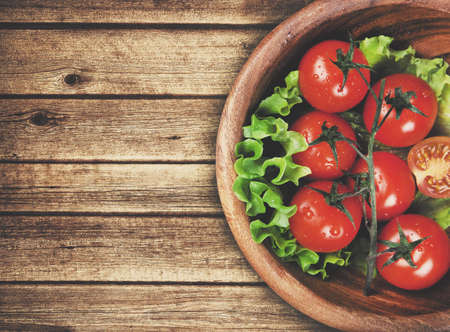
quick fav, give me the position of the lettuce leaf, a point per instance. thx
(259, 188)
(283, 245)
(360, 249)
(382, 57)
(287, 248)
(437, 209)
(283, 98)
(442, 124)
(386, 60)
(259, 193)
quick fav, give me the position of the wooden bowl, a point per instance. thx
(338, 302)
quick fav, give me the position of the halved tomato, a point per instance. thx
(429, 161)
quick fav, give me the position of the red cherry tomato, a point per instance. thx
(431, 256)
(429, 160)
(394, 184)
(319, 226)
(320, 158)
(411, 127)
(320, 80)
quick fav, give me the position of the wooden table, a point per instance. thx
(109, 213)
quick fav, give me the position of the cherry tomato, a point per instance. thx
(429, 160)
(411, 127)
(320, 80)
(319, 226)
(394, 184)
(320, 158)
(431, 256)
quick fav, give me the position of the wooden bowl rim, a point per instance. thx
(268, 267)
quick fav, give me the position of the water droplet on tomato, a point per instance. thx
(308, 212)
(334, 231)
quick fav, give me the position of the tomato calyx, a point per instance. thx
(331, 135)
(401, 249)
(333, 198)
(401, 101)
(345, 62)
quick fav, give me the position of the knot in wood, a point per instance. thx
(39, 118)
(72, 79)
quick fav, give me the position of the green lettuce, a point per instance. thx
(287, 248)
(251, 164)
(283, 98)
(386, 60)
(262, 172)
(437, 209)
(442, 124)
(360, 250)
(259, 193)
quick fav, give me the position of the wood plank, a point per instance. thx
(109, 188)
(109, 130)
(149, 307)
(124, 61)
(169, 11)
(148, 249)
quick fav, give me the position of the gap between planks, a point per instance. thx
(112, 96)
(131, 26)
(134, 283)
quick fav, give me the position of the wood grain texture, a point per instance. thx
(149, 308)
(144, 249)
(109, 130)
(109, 188)
(123, 61)
(170, 11)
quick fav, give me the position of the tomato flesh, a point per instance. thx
(431, 256)
(319, 226)
(319, 158)
(320, 80)
(429, 161)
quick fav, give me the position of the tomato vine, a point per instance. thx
(400, 102)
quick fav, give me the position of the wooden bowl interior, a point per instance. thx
(428, 30)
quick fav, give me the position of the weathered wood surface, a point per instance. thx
(109, 215)
(170, 11)
(116, 307)
(120, 249)
(187, 189)
(109, 130)
(189, 61)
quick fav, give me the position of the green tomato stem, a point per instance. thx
(371, 257)
(373, 225)
(373, 204)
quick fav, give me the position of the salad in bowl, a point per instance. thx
(333, 164)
